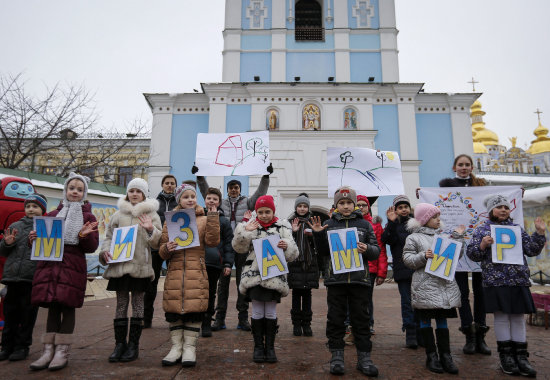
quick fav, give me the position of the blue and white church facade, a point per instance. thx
(315, 73)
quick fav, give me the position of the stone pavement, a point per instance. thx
(228, 353)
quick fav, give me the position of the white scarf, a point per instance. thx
(74, 220)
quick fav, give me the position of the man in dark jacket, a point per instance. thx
(234, 207)
(345, 289)
(219, 260)
(167, 202)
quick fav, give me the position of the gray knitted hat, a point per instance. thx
(302, 198)
(401, 199)
(493, 201)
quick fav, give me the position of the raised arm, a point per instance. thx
(203, 185)
(261, 190)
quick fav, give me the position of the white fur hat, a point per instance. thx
(140, 184)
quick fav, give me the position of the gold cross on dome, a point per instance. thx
(538, 112)
(473, 82)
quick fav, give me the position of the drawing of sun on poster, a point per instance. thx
(48, 245)
(446, 256)
(123, 244)
(228, 154)
(374, 172)
(507, 247)
(344, 254)
(182, 228)
(270, 258)
(464, 206)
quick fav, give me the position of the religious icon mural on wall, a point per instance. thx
(311, 117)
(350, 118)
(272, 120)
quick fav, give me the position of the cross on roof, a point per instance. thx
(473, 82)
(538, 112)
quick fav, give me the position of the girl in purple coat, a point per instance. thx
(60, 285)
(506, 286)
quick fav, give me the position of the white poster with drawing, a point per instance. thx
(464, 206)
(229, 154)
(370, 172)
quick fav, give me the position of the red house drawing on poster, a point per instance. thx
(230, 152)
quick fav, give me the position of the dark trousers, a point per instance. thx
(223, 292)
(370, 294)
(301, 299)
(61, 319)
(151, 292)
(465, 310)
(407, 312)
(213, 276)
(19, 317)
(339, 297)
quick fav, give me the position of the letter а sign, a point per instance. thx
(48, 245)
(507, 247)
(345, 258)
(270, 258)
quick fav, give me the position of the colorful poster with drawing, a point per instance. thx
(182, 228)
(48, 245)
(464, 206)
(507, 247)
(446, 257)
(270, 258)
(229, 154)
(123, 244)
(370, 172)
(344, 254)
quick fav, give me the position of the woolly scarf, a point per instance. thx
(305, 255)
(74, 220)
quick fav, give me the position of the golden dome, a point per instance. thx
(542, 143)
(480, 134)
(479, 148)
(487, 137)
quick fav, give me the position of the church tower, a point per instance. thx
(313, 40)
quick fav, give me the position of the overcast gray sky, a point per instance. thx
(119, 49)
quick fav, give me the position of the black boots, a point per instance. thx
(470, 334)
(121, 330)
(432, 360)
(521, 354)
(508, 363)
(296, 317)
(243, 324)
(258, 332)
(306, 323)
(271, 329)
(444, 348)
(337, 362)
(365, 364)
(132, 350)
(481, 346)
(206, 327)
(410, 338)
(219, 322)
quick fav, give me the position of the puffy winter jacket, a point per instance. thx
(222, 255)
(240, 204)
(380, 265)
(395, 235)
(127, 215)
(504, 274)
(366, 235)
(428, 291)
(18, 267)
(242, 243)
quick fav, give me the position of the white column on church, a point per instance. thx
(159, 158)
(461, 124)
(278, 55)
(233, 14)
(278, 16)
(387, 13)
(231, 55)
(341, 14)
(388, 42)
(341, 55)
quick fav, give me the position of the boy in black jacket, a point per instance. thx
(348, 288)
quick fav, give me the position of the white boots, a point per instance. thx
(176, 336)
(43, 361)
(191, 332)
(56, 352)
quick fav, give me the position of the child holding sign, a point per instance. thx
(17, 276)
(348, 288)
(135, 275)
(185, 298)
(264, 294)
(60, 285)
(432, 297)
(304, 271)
(506, 286)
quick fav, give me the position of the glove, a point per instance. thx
(194, 169)
(270, 168)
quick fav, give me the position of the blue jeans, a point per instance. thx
(407, 312)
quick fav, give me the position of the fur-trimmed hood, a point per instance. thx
(414, 225)
(148, 206)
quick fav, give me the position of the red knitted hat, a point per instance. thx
(265, 201)
(363, 198)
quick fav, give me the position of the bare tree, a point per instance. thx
(61, 129)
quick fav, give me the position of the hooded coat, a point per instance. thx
(427, 291)
(186, 283)
(127, 215)
(242, 243)
(18, 267)
(64, 282)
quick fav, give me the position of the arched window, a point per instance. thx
(309, 21)
(350, 118)
(272, 120)
(311, 117)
